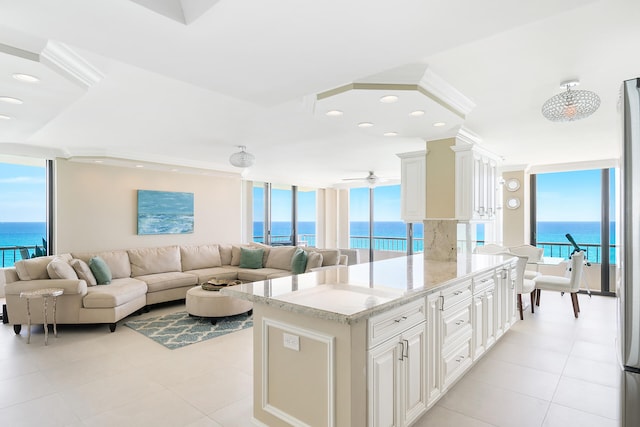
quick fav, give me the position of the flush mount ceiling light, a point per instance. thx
(10, 100)
(27, 78)
(4, 117)
(417, 113)
(242, 159)
(365, 125)
(570, 105)
(334, 113)
(389, 99)
(390, 134)
(439, 124)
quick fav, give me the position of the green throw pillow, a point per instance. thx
(298, 261)
(100, 270)
(251, 258)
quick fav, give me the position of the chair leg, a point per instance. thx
(537, 291)
(533, 299)
(520, 306)
(576, 306)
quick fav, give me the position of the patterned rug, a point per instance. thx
(179, 329)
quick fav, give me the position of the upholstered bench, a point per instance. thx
(212, 304)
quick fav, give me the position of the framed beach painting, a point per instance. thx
(165, 212)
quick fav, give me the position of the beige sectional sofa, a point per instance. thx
(140, 277)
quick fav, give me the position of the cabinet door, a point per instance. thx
(383, 380)
(413, 378)
(413, 188)
(478, 324)
(478, 210)
(433, 348)
(490, 318)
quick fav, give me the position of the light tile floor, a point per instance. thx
(548, 370)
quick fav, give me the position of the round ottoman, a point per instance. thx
(212, 304)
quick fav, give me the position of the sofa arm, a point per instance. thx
(70, 286)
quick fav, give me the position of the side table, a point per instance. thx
(45, 294)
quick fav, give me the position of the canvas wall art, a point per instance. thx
(165, 212)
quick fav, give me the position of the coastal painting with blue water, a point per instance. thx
(165, 212)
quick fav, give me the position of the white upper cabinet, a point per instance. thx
(476, 180)
(413, 191)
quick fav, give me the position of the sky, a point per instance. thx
(22, 193)
(571, 196)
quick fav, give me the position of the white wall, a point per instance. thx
(96, 207)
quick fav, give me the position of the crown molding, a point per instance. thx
(451, 96)
(65, 60)
(31, 151)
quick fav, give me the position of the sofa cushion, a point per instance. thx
(169, 280)
(225, 253)
(254, 275)
(118, 261)
(235, 254)
(314, 260)
(70, 286)
(119, 292)
(251, 258)
(280, 257)
(298, 261)
(203, 256)
(36, 268)
(154, 260)
(266, 249)
(205, 274)
(329, 256)
(59, 268)
(83, 271)
(100, 270)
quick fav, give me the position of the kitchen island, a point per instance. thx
(376, 343)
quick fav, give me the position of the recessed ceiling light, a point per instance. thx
(334, 113)
(389, 99)
(139, 166)
(27, 78)
(10, 100)
(439, 124)
(97, 161)
(390, 134)
(4, 117)
(174, 170)
(365, 125)
(417, 113)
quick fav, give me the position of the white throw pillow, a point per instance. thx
(83, 271)
(280, 257)
(314, 260)
(60, 269)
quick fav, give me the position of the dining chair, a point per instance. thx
(534, 255)
(569, 284)
(523, 285)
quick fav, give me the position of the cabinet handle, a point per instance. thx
(401, 319)
(441, 302)
(401, 350)
(406, 348)
(460, 322)
(460, 359)
(457, 292)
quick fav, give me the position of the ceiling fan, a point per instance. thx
(371, 179)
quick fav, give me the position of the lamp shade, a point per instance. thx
(242, 159)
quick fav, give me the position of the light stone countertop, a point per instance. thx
(355, 293)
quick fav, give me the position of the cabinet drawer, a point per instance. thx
(456, 293)
(456, 321)
(483, 281)
(393, 322)
(455, 362)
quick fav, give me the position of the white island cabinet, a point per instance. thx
(372, 344)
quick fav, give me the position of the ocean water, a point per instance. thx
(14, 234)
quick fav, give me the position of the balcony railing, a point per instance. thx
(11, 254)
(394, 244)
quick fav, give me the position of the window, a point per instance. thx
(306, 227)
(580, 204)
(23, 217)
(258, 212)
(281, 215)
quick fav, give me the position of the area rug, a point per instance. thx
(179, 329)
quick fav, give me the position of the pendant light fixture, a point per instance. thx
(242, 159)
(570, 105)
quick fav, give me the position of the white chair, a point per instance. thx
(569, 284)
(533, 253)
(490, 249)
(523, 285)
